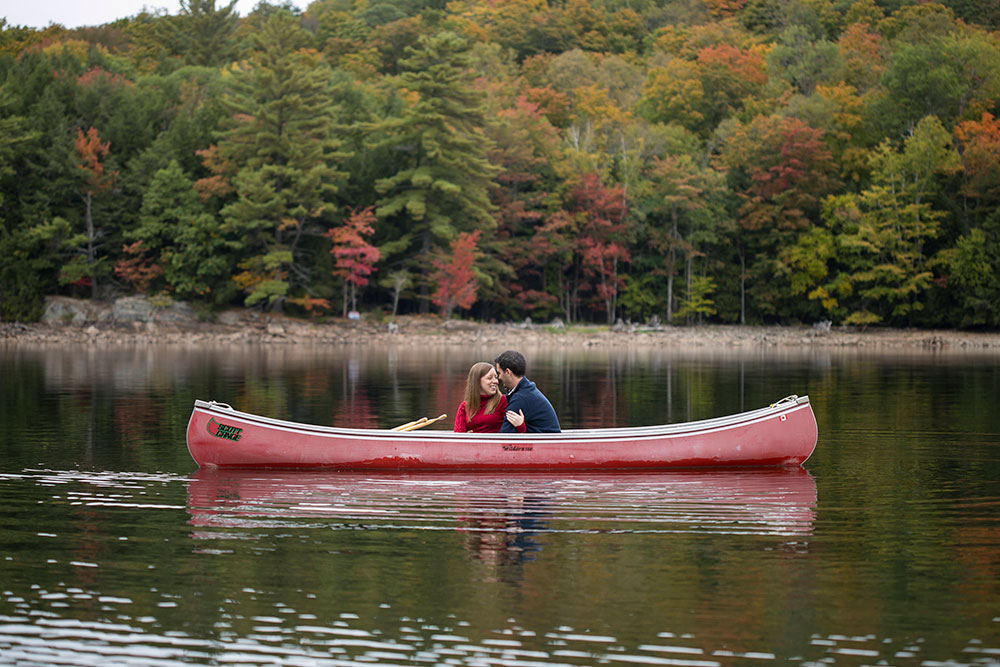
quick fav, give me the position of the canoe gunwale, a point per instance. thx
(786, 405)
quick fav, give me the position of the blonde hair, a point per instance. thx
(473, 390)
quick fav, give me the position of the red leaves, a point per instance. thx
(601, 213)
(136, 269)
(790, 169)
(455, 278)
(356, 258)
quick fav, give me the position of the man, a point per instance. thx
(524, 401)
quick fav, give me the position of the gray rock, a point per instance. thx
(158, 309)
(64, 310)
(132, 309)
(230, 318)
(176, 312)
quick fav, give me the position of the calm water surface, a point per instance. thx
(116, 550)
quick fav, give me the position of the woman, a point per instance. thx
(484, 407)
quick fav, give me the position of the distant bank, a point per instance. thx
(136, 320)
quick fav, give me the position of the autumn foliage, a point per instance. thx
(455, 275)
(756, 161)
(355, 257)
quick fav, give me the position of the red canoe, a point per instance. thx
(783, 434)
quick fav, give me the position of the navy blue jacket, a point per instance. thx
(539, 417)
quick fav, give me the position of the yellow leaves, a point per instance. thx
(848, 103)
(247, 280)
(236, 68)
(686, 42)
(593, 103)
(75, 47)
(675, 94)
(823, 296)
(363, 63)
(410, 97)
(308, 57)
(289, 223)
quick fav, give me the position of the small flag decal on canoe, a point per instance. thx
(224, 431)
(784, 418)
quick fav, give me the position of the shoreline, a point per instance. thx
(255, 329)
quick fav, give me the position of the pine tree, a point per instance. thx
(442, 185)
(200, 34)
(175, 226)
(281, 145)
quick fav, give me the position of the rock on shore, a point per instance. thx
(137, 320)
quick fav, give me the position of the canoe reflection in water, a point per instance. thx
(507, 517)
(506, 534)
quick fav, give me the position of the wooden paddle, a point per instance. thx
(420, 423)
(408, 425)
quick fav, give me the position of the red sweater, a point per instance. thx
(480, 422)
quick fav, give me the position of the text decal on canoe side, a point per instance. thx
(224, 431)
(517, 448)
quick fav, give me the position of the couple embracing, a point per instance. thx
(486, 409)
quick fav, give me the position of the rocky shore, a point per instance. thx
(135, 320)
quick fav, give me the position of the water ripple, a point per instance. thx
(51, 641)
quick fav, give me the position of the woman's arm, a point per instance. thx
(461, 422)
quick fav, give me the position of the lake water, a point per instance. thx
(116, 550)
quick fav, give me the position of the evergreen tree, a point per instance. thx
(200, 34)
(442, 184)
(176, 226)
(282, 149)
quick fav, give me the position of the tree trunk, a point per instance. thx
(91, 249)
(425, 299)
(671, 263)
(743, 287)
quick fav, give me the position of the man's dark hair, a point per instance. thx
(512, 361)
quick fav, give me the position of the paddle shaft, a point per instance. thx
(420, 423)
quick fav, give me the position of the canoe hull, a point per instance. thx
(783, 434)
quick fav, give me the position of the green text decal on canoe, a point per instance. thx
(224, 431)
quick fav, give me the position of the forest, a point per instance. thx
(692, 161)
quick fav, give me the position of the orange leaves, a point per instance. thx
(307, 303)
(736, 66)
(91, 153)
(864, 53)
(555, 105)
(219, 184)
(724, 8)
(980, 141)
(97, 75)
